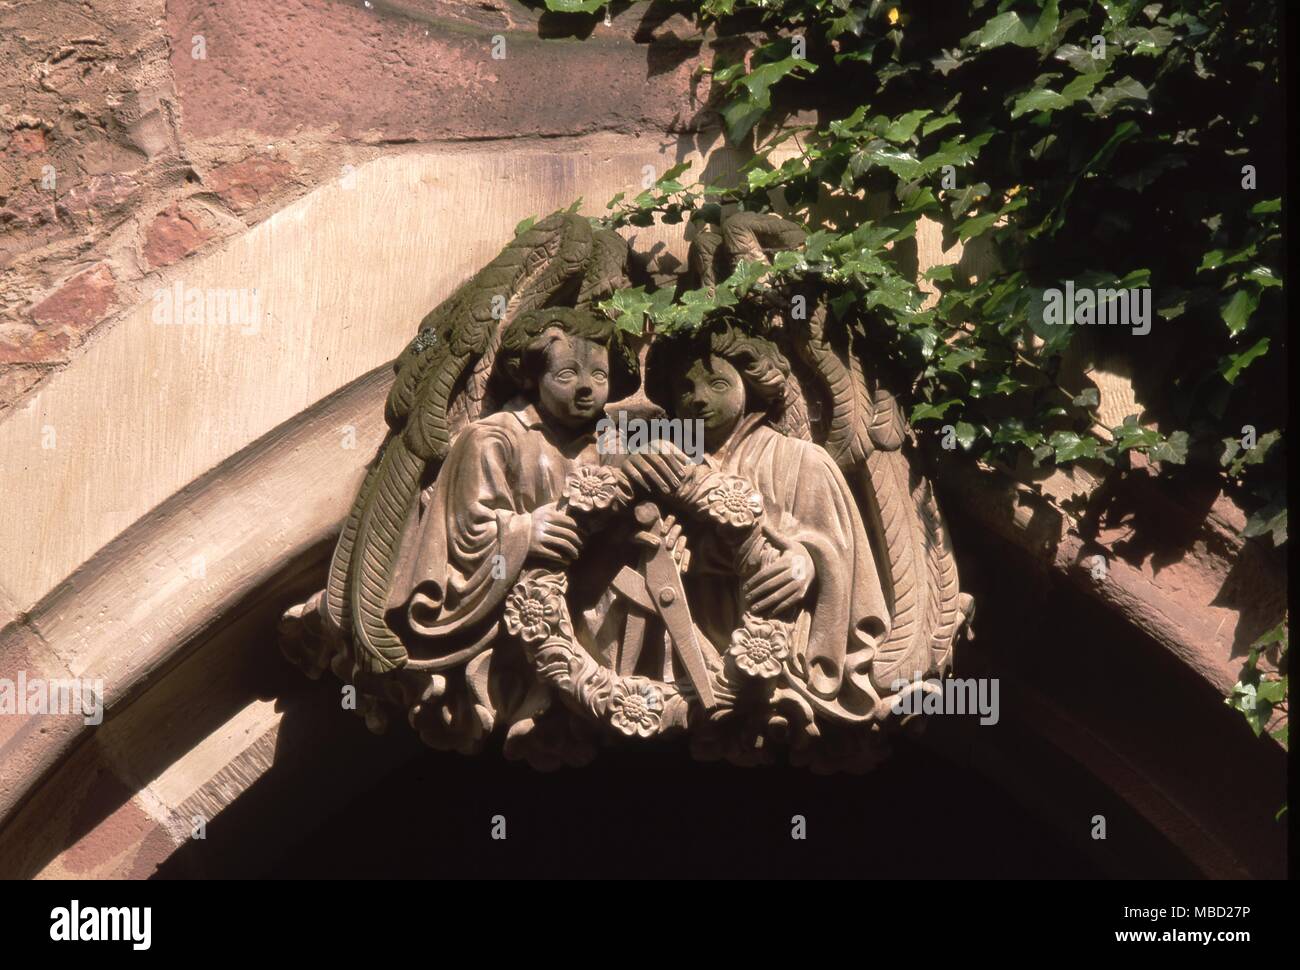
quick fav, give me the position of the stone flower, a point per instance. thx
(593, 487)
(759, 647)
(635, 707)
(533, 610)
(734, 502)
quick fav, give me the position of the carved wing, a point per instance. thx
(867, 436)
(441, 385)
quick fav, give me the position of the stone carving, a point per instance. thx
(763, 570)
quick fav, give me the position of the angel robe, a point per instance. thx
(843, 616)
(463, 554)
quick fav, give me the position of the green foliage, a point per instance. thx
(576, 6)
(1258, 695)
(1097, 143)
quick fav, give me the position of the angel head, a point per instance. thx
(568, 362)
(717, 375)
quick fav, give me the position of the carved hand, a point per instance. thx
(782, 583)
(675, 540)
(554, 535)
(660, 470)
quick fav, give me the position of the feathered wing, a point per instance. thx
(441, 385)
(606, 270)
(867, 435)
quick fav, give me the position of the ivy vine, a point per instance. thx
(1101, 146)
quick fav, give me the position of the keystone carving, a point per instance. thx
(579, 535)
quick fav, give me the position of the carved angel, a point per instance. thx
(464, 586)
(810, 565)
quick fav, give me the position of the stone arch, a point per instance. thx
(160, 459)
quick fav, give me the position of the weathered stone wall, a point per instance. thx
(345, 163)
(136, 135)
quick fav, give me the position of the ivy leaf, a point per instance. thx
(787, 260)
(1125, 89)
(956, 152)
(575, 6)
(1148, 41)
(935, 124)
(668, 176)
(946, 62)
(725, 75)
(1278, 634)
(923, 412)
(976, 226)
(1263, 276)
(1013, 431)
(1088, 399)
(1243, 699)
(1232, 365)
(1220, 257)
(1173, 449)
(1045, 99)
(959, 357)
(1071, 447)
(1272, 691)
(966, 433)
(1270, 519)
(899, 161)
(1081, 59)
(853, 21)
(740, 117)
(840, 304)
(632, 305)
(1235, 458)
(1039, 100)
(1132, 435)
(691, 308)
(980, 224)
(968, 196)
(760, 80)
(745, 275)
(902, 129)
(1001, 386)
(1012, 28)
(1236, 310)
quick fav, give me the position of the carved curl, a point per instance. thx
(522, 351)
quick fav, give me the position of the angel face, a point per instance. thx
(574, 386)
(713, 392)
